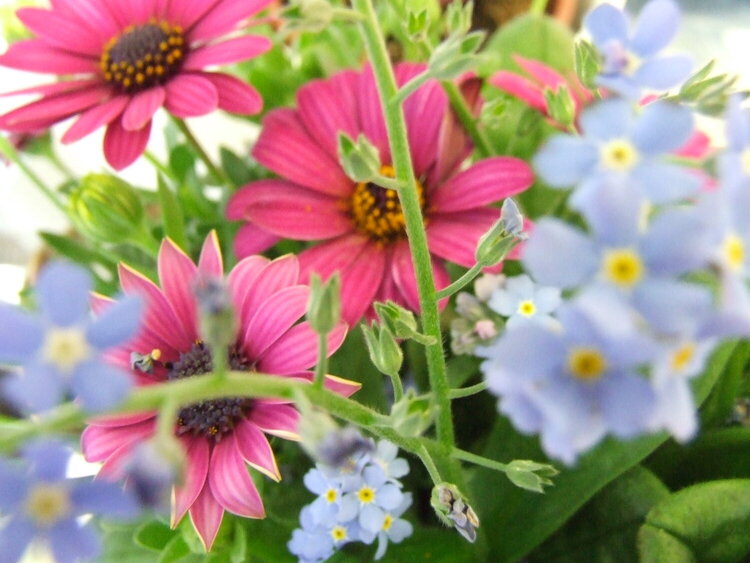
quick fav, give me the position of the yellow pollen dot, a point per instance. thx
(130, 70)
(140, 78)
(526, 308)
(586, 363)
(163, 46)
(156, 354)
(47, 504)
(159, 70)
(633, 63)
(65, 348)
(331, 495)
(366, 495)
(682, 356)
(733, 250)
(338, 534)
(388, 522)
(745, 161)
(622, 267)
(127, 82)
(619, 154)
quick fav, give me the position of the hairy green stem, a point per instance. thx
(386, 182)
(214, 170)
(409, 88)
(429, 464)
(398, 386)
(322, 366)
(461, 282)
(468, 391)
(463, 455)
(467, 119)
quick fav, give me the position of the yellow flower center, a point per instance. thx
(376, 211)
(632, 64)
(143, 56)
(585, 363)
(682, 356)
(388, 522)
(46, 504)
(338, 533)
(331, 496)
(745, 161)
(526, 308)
(366, 495)
(65, 348)
(623, 267)
(734, 251)
(619, 154)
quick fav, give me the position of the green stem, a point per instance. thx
(159, 165)
(461, 282)
(467, 119)
(61, 166)
(398, 387)
(468, 391)
(144, 239)
(410, 87)
(386, 182)
(478, 460)
(538, 7)
(429, 464)
(415, 230)
(214, 170)
(322, 366)
(64, 417)
(167, 417)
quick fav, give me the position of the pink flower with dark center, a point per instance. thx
(219, 436)
(361, 225)
(128, 59)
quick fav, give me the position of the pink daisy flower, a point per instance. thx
(219, 436)
(361, 224)
(128, 59)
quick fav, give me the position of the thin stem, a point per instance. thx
(538, 7)
(159, 165)
(167, 417)
(322, 366)
(468, 391)
(386, 182)
(214, 170)
(478, 460)
(461, 282)
(410, 87)
(61, 166)
(429, 464)
(64, 417)
(398, 386)
(467, 119)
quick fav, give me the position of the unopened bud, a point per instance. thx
(458, 15)
(385, 353)
(530, 475)
(324, 305)
(360, 160)
(453, 510)
(455, 55)
(401, 323)
(586, 63)
(411, 415)
(216, 317)
(416, 25)
(560, 105)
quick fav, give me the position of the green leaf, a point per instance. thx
(174, 222)
(175, 550)
(119, 546)
(76, 251)
(239, 545)
(237, 170)
(720, 404)
(657, 546)
(521, 520)
(711, 519)
(153, 535)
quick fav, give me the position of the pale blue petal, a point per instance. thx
(559, 255)
(389, 496)
(676, 409)
(374, 476)
(565, 160)
(21, 335)
(526, 417)
(398, 468)
(676, 243)
(521, 286)
(315, 482)
(613, 212)
(503, 302)
(400, 530)
(14, 485)
(607, 120)
(349, 508)
(15, 537)
(71, 543)
(38, 388)
(386, 451)
(738, 124)
(117, 324)
(63, 293)
(526, 353)
(606, 23)
(671, 306)
(371, 518)
(623, 85)
(48, 459)
(100, 386)
(547, 300)
(662, 127)
(666, 183)
(627, 403)
(665, 72)
(104, 498)
(656, 27)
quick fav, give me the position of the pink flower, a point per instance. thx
(361, 226)
(128, 59)
(269, 301)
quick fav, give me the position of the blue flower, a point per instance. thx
(325, 508)
(394, 529)
(151, 470)
(41, 504)
(385, 456)
(522, 300)
(632, 61)
(620, 146)
(60, 349)
(310, 543)
(735, 161)
(576, 383)
(371, 500)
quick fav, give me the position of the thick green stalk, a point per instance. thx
(399, 143)
(322, 366)
(481, 142)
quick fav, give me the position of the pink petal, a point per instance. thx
(277, 420)
(60, 31)
(186, 12)
(121, 147)
(292, 211)
(454, 236)
(113, 468)
(274, 317)
(343, 387)
(285, 147)
(230, 482)
(99, 442)
(206, 515)
(36, 55)
(210, 261)
(331, 256)
(138, 11)
(297, 349)
(251, 239)
(241, 281)
(114, 420)
(57, 107)
(225, 16)
(93, 118)
(91, 13)
(371, 114)
(235, 96)
(196, 470)
(521, 88)
(360, 282)
(227, 52)
(176, 274)
(274, 276)
(697, 146)
(488, 181)
(142, 108)
(255, 449)
(403, 274)
(329, 106)
(543, 74)
(190, 95)
(55, 88)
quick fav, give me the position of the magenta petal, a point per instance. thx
(190, 95)
(210, 261)
(91, 13)
(99, 442)
(230, 481)
(121, 419)
(251, 239)
(113, 468)
(276, 275)
(197, 454)
(331, 256)
(176, 274)
(121, 147)
(285, 147)
(360, 282)
(186, 12)
(274, 317)
(93, 118)
(371, 114)
(226, 52)
(521, 88)
(543, 74)
(60, 31)
(488, 181)
(255, 449)
(242, 278)
(36, 55)
(56, 107)
(297, 349)
(206, 515)
(224, 16)
(235, 96)
(454, 236)
(142, 108)
(55, 88)
(277, 420)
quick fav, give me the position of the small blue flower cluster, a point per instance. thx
(642, 316)
(361, 500)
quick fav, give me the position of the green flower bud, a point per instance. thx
(455, 55)
(561, 106)
(316, 14)
(217, 321)
(324, 305)
(586, 63)
(360, 160)
(495, 244)
(458, 17)
(401, 322)
(416, 25)
(385, 353)
(530, 475)
(453, 510)
(106, 208)
(411, 415)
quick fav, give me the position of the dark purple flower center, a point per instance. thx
(143, 56)
(215, 418)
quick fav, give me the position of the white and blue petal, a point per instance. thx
(655, 28)
(663, 72)
(565, 160)
(21, 335)
(117, 324)
(100, 386)
(662, 127)
(606, 23)
(62, 292)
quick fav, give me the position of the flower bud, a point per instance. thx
(458, 16)
(216, 317)
(495, 244)
(360, 160)
(106, 208)
(324, 306)
(416, 25)
(455, 55)
(385, 353)
(317, 15)
(530, 475)
(560, 106)
(586, 64)
(453, 510)
(401, 323)
(411, 415)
